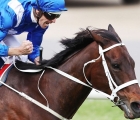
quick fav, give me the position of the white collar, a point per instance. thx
(33, 17)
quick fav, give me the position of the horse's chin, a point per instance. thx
(128, 116)
(127, 112)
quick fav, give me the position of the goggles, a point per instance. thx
(51, 16)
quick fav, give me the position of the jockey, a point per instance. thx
(31, 16)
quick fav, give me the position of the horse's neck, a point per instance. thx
(67, 94)
(71, 93)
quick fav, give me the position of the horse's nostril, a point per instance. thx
(135, 107)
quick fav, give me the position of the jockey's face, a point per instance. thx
(44, 22)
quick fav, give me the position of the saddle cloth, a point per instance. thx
(4, 70)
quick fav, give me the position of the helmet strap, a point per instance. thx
(38, 15)
(38, 20)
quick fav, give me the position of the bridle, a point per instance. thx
(113, 86)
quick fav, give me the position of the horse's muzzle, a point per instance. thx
(133, 111)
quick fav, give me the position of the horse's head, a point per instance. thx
(119, 80)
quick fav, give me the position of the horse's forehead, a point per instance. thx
(121, 54)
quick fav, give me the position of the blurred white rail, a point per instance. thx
(96, 95)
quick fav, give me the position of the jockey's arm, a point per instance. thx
(6, 24)
(24, 49)
(35, 37)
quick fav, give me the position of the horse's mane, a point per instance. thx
(80, 41)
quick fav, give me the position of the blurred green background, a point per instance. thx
(99, 110)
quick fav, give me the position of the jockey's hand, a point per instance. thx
(26, 47)
(36, 61)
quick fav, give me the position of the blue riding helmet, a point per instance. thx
(49, 6)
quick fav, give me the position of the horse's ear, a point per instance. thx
(99, 39)
(112, 30)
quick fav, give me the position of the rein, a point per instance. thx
(110, 80)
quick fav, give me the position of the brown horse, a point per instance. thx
(82, 58)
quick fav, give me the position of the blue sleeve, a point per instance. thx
(5, 24)
(3, 48)
(3, 32)
(35, 37)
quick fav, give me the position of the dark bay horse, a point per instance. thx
(65, 96)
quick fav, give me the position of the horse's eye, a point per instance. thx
(116, 66)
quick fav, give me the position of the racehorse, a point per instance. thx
(96, 58)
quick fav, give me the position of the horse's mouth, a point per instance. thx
(133, 111)
(128, 113)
